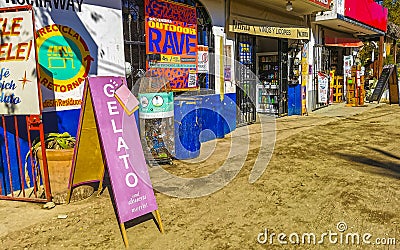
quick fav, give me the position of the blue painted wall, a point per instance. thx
(202, 118)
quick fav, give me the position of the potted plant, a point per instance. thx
(59, 153)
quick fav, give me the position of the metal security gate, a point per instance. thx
(321, 64)
(247, 80)
(20, 172)
(283, 76)
(134, 38)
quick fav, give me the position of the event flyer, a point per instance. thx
(171, 43)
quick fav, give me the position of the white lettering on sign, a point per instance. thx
(121, 144)
(323, 1)
(111, 107)
(109, 90)
(115, 130)
(131, 179)
(52, 4)
(124, 157)
(128, 182)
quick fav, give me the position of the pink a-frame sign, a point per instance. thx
(113, 104)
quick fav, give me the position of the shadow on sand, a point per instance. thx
(385, 167)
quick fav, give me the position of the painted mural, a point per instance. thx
(70, 48)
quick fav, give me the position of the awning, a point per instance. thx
(347, 25)
(340, 39)
(300, 7)
(343, 42)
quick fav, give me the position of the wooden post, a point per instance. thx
(395, 51)
(380, 58)
(159, 221)
(124, 236)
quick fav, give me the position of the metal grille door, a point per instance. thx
(246, 86)
(134, 38)
(321, 64)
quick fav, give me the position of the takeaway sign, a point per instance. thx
(18, 74)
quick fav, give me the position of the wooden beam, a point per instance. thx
(380, 58)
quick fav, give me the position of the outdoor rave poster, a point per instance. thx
(18, 74)
(171, 43)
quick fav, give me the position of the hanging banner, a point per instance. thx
(18, 73)
(323, 84)
(304, 78)
(227, 62)
(171, 43)
(268, 31)
(347, 64)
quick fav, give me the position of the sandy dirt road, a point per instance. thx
(338, 165)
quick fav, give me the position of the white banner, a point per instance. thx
(323, 83)
(203, 62)
(18, 73)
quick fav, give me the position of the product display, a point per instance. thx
(267, 90)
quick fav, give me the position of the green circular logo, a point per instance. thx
(61, 57)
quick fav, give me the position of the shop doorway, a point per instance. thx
(272, 76)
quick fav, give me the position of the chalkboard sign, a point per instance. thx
(382, 83)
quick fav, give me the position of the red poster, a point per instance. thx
(171, 43)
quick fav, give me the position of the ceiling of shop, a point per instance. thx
(346, 27)
(300, 7)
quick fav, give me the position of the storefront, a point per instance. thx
(338, 35)
(275, 67)
(270, 40)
